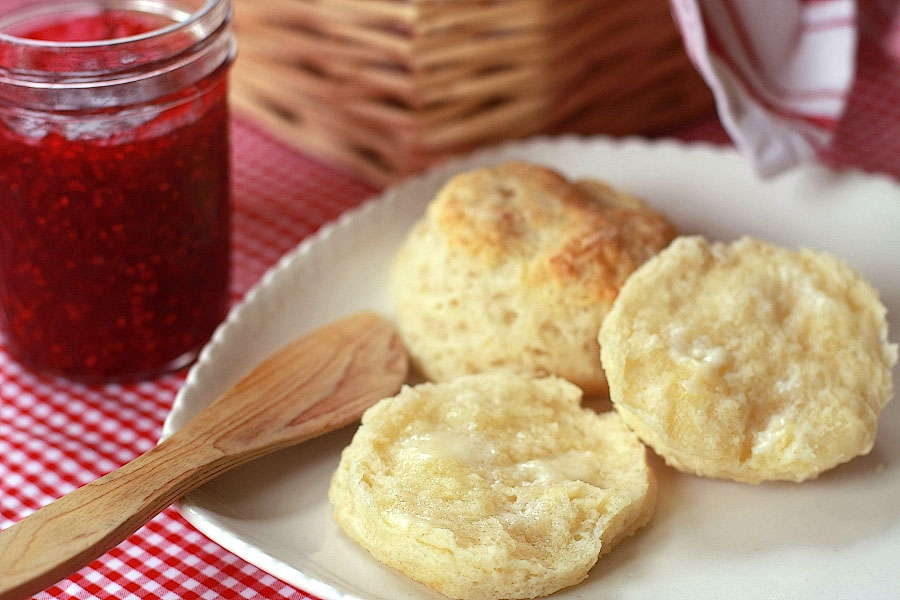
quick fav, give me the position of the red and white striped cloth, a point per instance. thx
(781, 71)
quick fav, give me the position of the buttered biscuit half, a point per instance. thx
(492, 485)
(749, 361)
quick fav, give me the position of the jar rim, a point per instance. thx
(102, 74)
(181, 20)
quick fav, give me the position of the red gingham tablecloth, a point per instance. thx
(57, 435)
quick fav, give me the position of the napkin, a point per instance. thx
(780, 71)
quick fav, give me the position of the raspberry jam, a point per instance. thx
(107, 25)
(114, 197)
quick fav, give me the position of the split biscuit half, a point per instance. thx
(492, 486)
(749, 361)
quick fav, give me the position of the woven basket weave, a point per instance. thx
(387, 87)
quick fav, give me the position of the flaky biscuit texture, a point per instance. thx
(749, 361)
(514, 267)
(491, 486)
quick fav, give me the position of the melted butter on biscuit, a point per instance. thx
(699, 349)
(469, 448)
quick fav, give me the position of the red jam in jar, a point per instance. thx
(114, 187)
(107, 25)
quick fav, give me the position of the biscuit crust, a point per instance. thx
(515, 267)
(492, 486)
(748, 361)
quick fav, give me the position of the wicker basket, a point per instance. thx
(387, 87)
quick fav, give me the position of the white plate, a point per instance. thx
(835, 537)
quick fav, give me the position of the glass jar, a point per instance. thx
(114, 182)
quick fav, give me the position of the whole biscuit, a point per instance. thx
(513, 267)
(749, 361)
(492, 485)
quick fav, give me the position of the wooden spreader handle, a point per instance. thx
(314, 385)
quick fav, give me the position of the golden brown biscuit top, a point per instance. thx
(583, 235)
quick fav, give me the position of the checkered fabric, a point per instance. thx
(56, 435)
